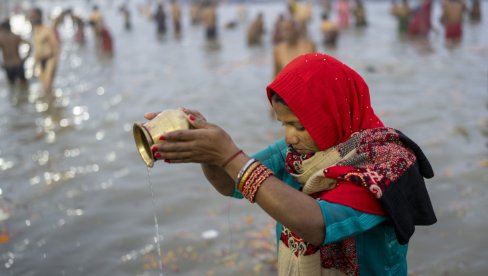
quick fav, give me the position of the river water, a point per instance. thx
(75, 196)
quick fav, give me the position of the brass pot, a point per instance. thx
(147, 134)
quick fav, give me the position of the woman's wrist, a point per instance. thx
(248, 174)
(232, 157)
(235, 165)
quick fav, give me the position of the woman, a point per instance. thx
(401, 11)
(419, 24)
(341, 186)
(343, 11)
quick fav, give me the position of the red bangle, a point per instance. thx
(253, 182)
(231, 158)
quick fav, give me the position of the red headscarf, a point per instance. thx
(330, 99)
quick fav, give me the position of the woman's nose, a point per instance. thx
(290, 137)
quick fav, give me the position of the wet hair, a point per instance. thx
(276, 98)
(37, 12)
(5, 25)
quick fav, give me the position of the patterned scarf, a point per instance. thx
(294, 160)
(371, 159)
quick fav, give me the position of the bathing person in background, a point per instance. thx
(57, 21)
(330, 31)
(13, 63)
(176, 17)
(96, 21)
(46, 50)
(345, 190)
(475, 11)
(343, 11)
(124, 9)
(103, 37)
(292, 7)
(303, 16)
(292, 45)
(194, 12)
(209, 20)
(402, 12)
(255, 31)
(359, 12)
(420, 21)
(326, 6)
(452, 19)
(278, 29)
(160, 18)
(79, 27)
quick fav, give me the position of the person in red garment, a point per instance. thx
(420, 21)
(345, 190)
(103, 36)
(452, 19)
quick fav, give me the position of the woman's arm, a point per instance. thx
(219, 178)
(295, 210)
(211, 146)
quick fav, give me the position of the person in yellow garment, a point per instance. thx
(330, 31)
(346, 190)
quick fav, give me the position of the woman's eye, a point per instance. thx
(297, 127)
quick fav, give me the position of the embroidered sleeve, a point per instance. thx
(342, 222)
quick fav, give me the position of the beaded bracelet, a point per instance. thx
(251, 182)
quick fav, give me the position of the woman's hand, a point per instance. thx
(204, 143)
(196, 114)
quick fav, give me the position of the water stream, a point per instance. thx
(156, 224)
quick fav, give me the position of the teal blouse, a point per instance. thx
(378, 251)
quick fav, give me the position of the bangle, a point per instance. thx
(231, 158)
(246, 174)
(253, 182)
(241, 172)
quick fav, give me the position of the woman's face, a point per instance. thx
(295, 134)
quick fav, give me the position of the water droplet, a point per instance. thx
(35, 180)
(100, 135)
(64, 122)
(77, 110)
(100, 91)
